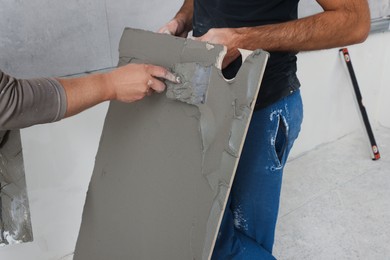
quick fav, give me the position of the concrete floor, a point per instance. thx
(336, 202)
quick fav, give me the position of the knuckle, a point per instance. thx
(161, 71)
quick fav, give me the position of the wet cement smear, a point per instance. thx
(15, 223)
(195, 79)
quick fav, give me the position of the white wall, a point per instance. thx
(53, 37)
(383, 106)
(378, 8)
(78, 36)
(329, 101)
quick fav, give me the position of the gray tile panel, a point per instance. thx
(164, 167)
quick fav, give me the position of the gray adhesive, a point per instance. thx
(165, 165)
(15, 222)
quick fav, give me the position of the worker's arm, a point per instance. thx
(343, 22)
(26, 102)
(127, 84)
(181, 24)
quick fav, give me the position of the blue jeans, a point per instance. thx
(248, 227)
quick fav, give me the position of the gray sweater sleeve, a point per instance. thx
(26, 102)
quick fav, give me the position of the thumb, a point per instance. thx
(165, 30)
(201, 38)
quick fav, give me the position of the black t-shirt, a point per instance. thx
(280, 75)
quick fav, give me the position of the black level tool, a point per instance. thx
(374, 148)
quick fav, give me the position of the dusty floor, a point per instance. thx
(336, 202)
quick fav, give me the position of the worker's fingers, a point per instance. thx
(170, 28)
(149, 83)
(149, 92)
(160, 72)
(156, 85)
(165, 30)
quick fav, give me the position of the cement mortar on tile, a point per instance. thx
(164, 167)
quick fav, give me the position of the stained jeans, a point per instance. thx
(248, 226)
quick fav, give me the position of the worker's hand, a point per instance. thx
(135, 81)
(224, 36)
(176, 27)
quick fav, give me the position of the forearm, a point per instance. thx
(26, 102)
(293, 36)
(332, 28)
(36, 101)
(126, 84)
(185, 14)
(85, 92)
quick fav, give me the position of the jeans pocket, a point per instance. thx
(280, 142)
